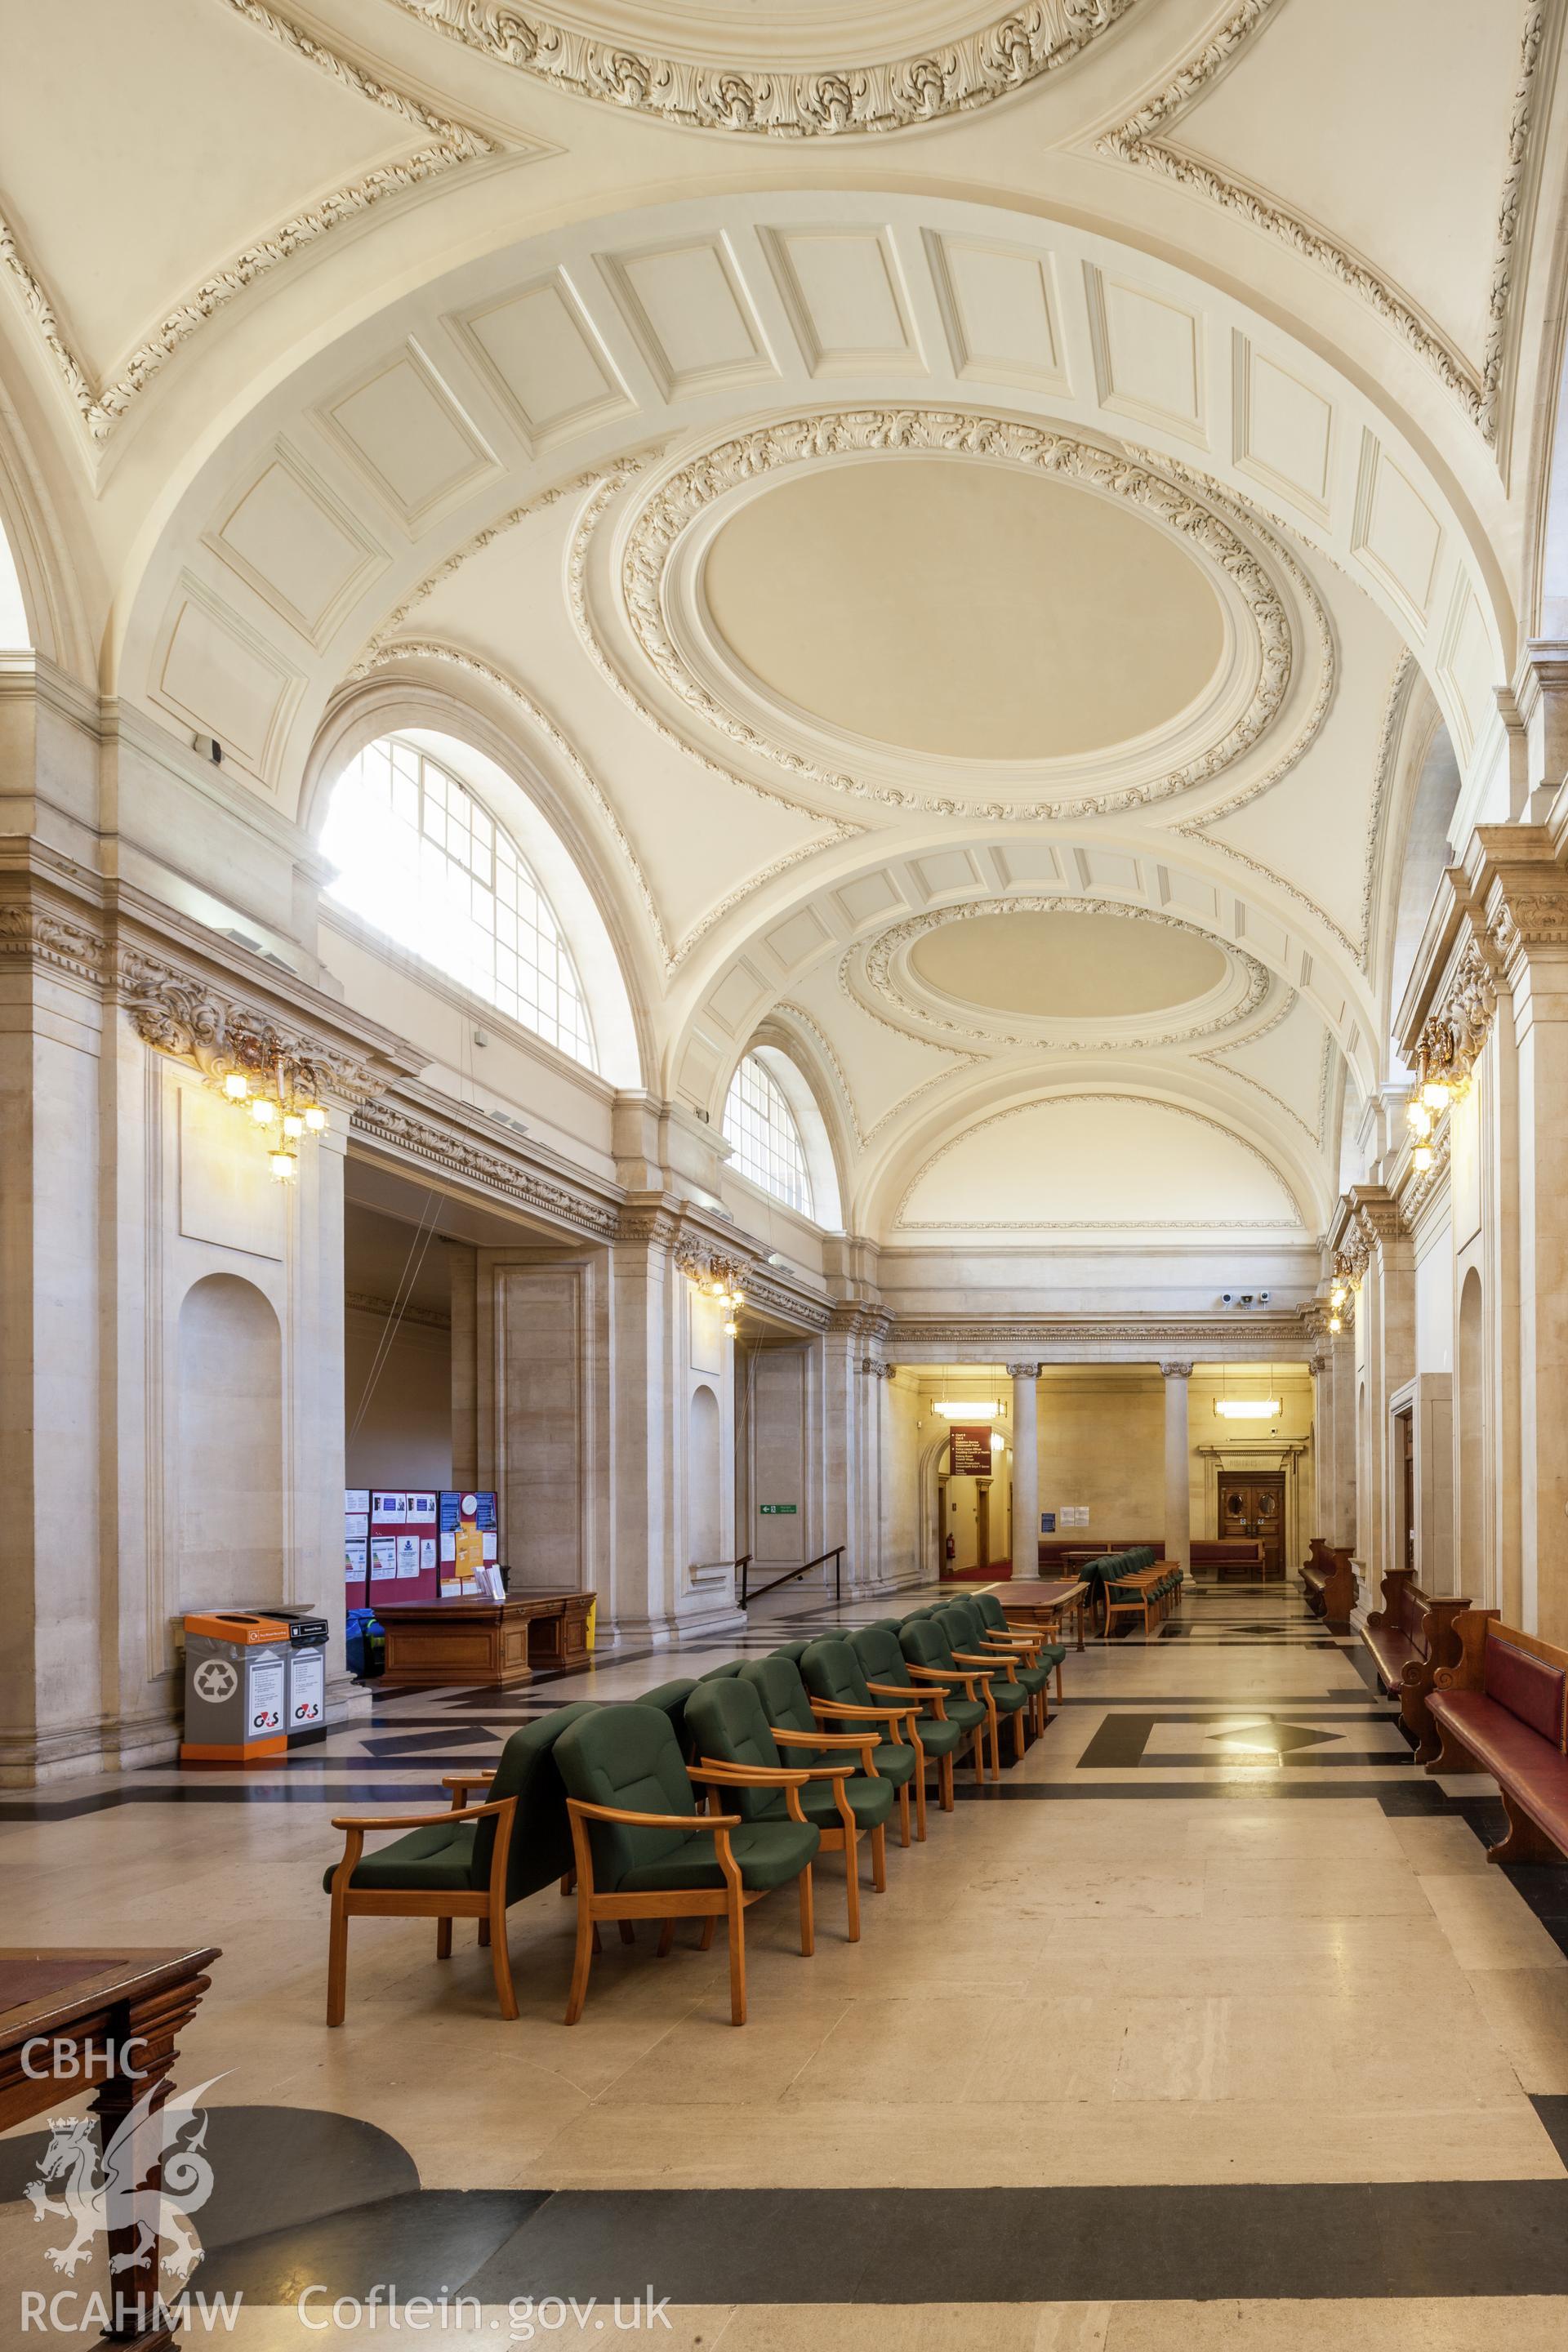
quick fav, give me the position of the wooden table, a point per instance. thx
(1043, 1600)
(493, 1643)
(71, 2018)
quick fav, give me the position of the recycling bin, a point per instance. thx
(307, 1679)
(236, 1687)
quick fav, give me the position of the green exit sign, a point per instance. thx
(777, 1510)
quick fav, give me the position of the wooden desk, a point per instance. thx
(496, 1644)
(111, 2018)
(1043, 1601)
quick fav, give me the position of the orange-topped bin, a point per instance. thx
(236, 1687)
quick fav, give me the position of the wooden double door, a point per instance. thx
(1253, 1506)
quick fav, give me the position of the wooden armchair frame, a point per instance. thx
(978, 1688)
(846, 1838)
(937, 1702)
(829, 1710)
(999, 1664)
(444, 1904)
(729, 1902)
(1027, 1641)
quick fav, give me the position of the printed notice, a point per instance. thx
(427, 1552)
(383, 1557)
(421, 1506)
(407, 1555)
(390, 1510)
(356, 1498)
(354, 1561)
(356, 1526)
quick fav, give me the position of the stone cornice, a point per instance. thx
(1049, 1340)
(443, 145)
(446, 1139)
(190, 993)
(999, 56)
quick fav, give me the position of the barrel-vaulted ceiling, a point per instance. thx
(972, 522)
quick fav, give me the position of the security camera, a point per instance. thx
(1228, 1299)
(1264, 1296)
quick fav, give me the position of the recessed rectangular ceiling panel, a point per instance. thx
(1000, 312)
(408, 435)
(1396, 535)
(295, 544)
(948, 870)
(1284, 431)
(1147, 354)
(688, 307)
(224, 679)
(1107, 869)
(1027, 863)
(844, 292)
(734, 1002)
(1465, 666)
(871, 896)
(542, 355)
(795, 942)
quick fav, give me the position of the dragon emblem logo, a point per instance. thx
(99, 2192)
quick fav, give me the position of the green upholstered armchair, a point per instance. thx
(729, 1729)
(941, 1735)
(671, 1698)
(832, 1675)
(1000, 1626)
(983, 1640)
(1008, 1696)
(644, 1852)
(470, 1862)
(928, 1659)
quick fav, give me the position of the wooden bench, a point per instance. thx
(1503, 1709)
(1410, 1636)
(1328, 1580)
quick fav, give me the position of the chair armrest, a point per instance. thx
(936, 1699)
(819, 1740)
(460, 1783)
(993, 1664)
(687, 1821)
(771, 1776)
(832, 1706)
(362, 1821)
(941, 1675)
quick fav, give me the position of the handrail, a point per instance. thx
(836, 1554)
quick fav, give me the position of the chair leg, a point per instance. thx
(807, 1924)
(705, 1941)
(443, 1939)
(583, 1959)
(944, 1784)
(852, 1881)
(337, 1962)
(568, 1882)
(977, 1750)
(904, 1814)
(628, 1933)
(1017, 1733)
(484, 1931)
(880, 1858)
(737, 1915)
(921, 1801)
(1058, 1681)
(500, 1960)
(995, 1749)
(598, 1944)
(666, 1938)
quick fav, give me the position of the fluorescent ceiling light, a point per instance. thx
(1247, 1408)
(967, 1409)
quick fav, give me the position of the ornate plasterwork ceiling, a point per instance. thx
(662, 542)
(1191, 985)
(753, 72)
(969, 613)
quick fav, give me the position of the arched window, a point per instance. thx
(420, 858)
(760, 1125)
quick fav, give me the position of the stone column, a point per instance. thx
(1178, 1486)
(1026, 1469)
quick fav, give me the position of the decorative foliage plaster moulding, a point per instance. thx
(1001, 56)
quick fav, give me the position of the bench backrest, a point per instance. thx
(1410, 1615)
(1531, 1687)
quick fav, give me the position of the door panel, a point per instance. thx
(1254, 1506)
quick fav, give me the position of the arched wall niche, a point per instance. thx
(1419, 848)
(1474, 1572)
(231, 1513)
(607, 943)
(704, 1479)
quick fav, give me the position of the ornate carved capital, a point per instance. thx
(1029, 1372)
(33, 934)
(1176, 1372)
(699, 1260)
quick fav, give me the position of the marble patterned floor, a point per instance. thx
(1209, 2025)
